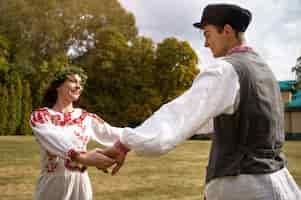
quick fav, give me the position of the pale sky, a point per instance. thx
(273, 32)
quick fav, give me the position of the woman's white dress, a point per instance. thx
(58, 134)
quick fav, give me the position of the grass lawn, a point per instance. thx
(179, 175)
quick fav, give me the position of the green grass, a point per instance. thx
(179, 175)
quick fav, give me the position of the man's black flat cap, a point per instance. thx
(221, 14)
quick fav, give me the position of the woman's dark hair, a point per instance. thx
(50, 95)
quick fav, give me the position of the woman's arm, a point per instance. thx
(53, 139)
(102, 132)
(50, 136)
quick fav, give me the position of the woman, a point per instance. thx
(63, 133)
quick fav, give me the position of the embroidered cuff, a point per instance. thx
(71, 164)
(72, 154)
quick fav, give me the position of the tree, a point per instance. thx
(297, 69)
(134, 78)
(4, 55)
(43, 29)
(18, 96)
(4, 102)
(25, 128)
(107, 68)
(12, 111)
(46, 31)
(129, 76)
(175, 66)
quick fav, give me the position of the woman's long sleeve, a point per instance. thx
(103, 133)
(50, 136)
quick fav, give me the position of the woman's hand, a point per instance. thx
(117, 152)
(95, 158)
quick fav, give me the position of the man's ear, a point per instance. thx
(228, 29)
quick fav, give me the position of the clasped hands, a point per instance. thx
(103, 159)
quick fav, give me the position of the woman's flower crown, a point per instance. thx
(62, 75)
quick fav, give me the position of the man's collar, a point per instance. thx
(241, 48)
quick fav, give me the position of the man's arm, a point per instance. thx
(213, 92)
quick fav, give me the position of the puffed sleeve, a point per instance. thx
(213, 92)
(102, 132)
(51, 137)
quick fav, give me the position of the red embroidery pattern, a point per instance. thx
(42, 115)
(52, 162)
(73, 166)
(97, 118)
(39, 116)
(82, 127)
(240, 49)
(72, 154)
(81, 137)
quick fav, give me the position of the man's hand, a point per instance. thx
(95, 158)
(117, 152)
(117, 155)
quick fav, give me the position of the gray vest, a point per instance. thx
(250, 140)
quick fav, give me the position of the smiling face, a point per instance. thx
(216, 39)
(70, 90)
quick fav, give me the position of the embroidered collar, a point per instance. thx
(58, 118)
(239, 49)
(62, 113)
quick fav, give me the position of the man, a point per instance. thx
(242, 95)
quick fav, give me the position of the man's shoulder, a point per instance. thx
(218, 68)
(219, 65)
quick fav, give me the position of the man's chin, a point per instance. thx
(217, 55)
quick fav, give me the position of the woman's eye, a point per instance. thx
(73, 81)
